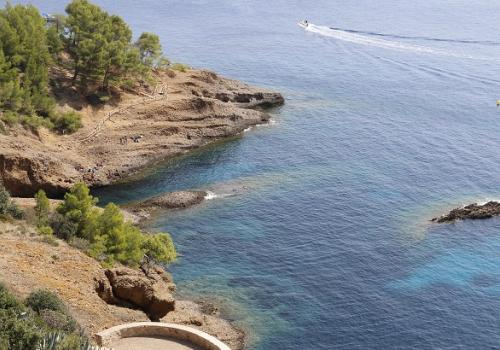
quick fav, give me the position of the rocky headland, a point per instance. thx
(148, 123)
(472, 211)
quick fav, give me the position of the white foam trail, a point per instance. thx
(270, 122)
(382, 43)
(210, 195)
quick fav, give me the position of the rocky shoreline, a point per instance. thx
(139, 129)
(117, 141)
(98, 298)
(472, 211)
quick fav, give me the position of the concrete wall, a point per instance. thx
(159, 329)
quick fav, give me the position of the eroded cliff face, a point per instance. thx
(182, 112)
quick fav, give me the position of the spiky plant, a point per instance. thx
(50, 341)
(53, 340)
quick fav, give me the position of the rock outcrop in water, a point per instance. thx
(471, 211)
(169, 200)
(173, 200)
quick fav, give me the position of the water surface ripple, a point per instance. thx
(328, 245)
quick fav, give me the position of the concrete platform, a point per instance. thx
(157, 336)
(151, 343)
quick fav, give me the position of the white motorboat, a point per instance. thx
(304, 24)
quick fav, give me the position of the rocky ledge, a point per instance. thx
(144, 126)
(170, 200)
(471, 211)
(147, 289)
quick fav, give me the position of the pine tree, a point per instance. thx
(149, 48)
(42, 208)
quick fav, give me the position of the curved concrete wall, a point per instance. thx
(159, 329)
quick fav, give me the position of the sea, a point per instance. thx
(316, 233)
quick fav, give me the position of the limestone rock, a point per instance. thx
(151, 290)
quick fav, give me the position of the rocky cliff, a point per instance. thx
(181, 112)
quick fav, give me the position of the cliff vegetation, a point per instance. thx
(92, 48)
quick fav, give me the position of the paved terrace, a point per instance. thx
(158, 336)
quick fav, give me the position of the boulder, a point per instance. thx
(147, 289)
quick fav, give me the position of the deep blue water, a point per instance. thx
(324, 242)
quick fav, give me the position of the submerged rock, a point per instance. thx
(150, 291)
(171, 200)
(471, 211)
(174, 200)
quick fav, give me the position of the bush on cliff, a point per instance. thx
(159, 247)
(7, 207)
(78, 208)
(44, 300)
(66, 123)
(180, 67)
(42, 208)
(23, 328)
(111, 238)
(62, 226)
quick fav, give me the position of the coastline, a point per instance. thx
(200, 109)
(29, 264)
(142, 128)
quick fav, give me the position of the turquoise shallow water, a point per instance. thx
(319, 238)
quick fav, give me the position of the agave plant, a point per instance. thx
(52, 340)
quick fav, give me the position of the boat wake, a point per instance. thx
(369, 40)
(423, 38)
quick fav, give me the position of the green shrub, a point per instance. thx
(180, 67)
(15, 212)
(114, 239)
(107, 236)
(159, 247)
(66, 123)
(78, 207)
(42, 208)
(35, 122)
(49, 239)
(10, 118)
(79, 243)
(7, 300)
(23, 329)
(45, 230)
(58, 320)
(61, 341)
(62, 226)
(4, 200)
(21, 332)
(45, 300)
(7, 207)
